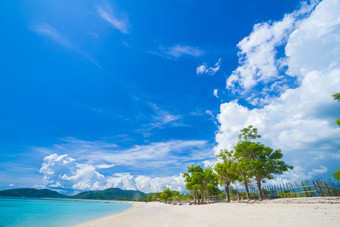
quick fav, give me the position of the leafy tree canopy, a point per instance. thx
(336, 97)
(337, 174)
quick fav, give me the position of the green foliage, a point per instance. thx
(172, 196)
(214, 190)
(166, 194)
(110, 194)
(150, 197)
(249, 133)
(337, 174)
(248, 161)
(227, 171)
(336, 97)
(288, 194)
(256, 159)
(209, 179)
(199, 180)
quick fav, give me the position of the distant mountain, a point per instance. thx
(31, 192)
(108, 194)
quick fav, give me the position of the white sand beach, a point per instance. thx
(279, 212)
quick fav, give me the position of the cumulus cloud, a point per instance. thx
(106, 12)
(212, 70)
(258, 61)
(61, 171)
(315, 44)
(64, 172)
(300, 121)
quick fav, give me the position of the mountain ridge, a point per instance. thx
(107, 194)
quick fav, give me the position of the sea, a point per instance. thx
(35, 212)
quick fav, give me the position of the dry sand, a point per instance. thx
(279, 212)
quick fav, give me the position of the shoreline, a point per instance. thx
(312, 211)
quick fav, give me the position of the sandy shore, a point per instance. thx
(279, 212)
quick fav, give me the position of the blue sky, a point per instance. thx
(127, 94)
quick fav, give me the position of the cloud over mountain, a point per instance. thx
(64, 172)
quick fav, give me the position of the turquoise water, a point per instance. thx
(36, 212)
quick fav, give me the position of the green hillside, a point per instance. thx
(108, 194)
(31, 192)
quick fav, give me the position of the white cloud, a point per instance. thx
(168, 154)
(257, 55)
(62, 171)
(216, 93)
(121, 180)
(212, 70)
(148, 184)
(315, 44)
(298, 174)
(51, 32)
(162, 118)
(106, 12)
(105, 166)
(178, 51)
(300, 121)
(210, 163)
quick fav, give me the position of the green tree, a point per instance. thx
(209, 178)
(336, 97)
(155, 196)
(243, 168)
(337, 174)
(193, 180)
(262, 161)
(226, 171)
(166, 194)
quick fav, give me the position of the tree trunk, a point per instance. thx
(206, 194)
(247, 189)
(202, 195)
(226, 187)
(195, 196)
(258, 182)
(237, 194)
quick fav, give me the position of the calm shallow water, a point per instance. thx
(36, 212)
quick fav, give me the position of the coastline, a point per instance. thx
(317, 211)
